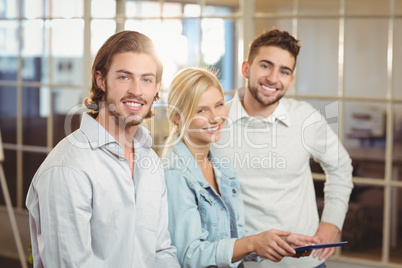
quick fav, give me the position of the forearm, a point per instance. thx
(242, 248)
(269, 245)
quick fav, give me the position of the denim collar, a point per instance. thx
(187, 160)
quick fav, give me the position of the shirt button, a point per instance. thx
(234, 191)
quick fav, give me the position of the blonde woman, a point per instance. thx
(205, 205)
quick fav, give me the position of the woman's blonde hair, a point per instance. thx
(184, 93)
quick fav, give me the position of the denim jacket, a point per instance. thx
(203, 224)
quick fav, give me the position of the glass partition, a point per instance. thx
(319, 7)
(367, 7)
(364, 137)
(34, 126)
(396, 226)
(365, 70)
(10, 171)
(276, 7)
(317, 63)
(8, 50)
(8, 114)
(397, 59)
(363, 227)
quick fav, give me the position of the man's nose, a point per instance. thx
(272, 76)
(135, 87)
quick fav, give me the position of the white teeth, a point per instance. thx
(213, 129)
(133, 104)
(269, 89)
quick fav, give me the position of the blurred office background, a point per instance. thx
(349, 67)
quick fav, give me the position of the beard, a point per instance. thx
(133, 118)
(267, 101)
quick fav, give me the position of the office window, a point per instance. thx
(366, 75)
(364, 223)
(320, 54)
(397, 60)
(367, 7)
(315, 7)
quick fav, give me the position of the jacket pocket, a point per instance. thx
(208, 209)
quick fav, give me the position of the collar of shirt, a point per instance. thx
(98, 136)
(237, 111)
(186, 158)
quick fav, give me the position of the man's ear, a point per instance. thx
(100, 81)
(244, 69)
(291, 82)
(158, 87)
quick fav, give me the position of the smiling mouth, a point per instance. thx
(133, 104)
(213, 129)
(269, 89)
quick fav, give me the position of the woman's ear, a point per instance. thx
(100, 81)
(177, 119)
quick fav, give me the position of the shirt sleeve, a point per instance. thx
(165, 251)
(59, 204)
(193, 250)
(327, 150)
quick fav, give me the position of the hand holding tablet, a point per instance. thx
(319, 246)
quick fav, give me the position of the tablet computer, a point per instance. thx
(319, 246)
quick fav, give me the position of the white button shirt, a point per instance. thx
(86, 210)
(272, 156)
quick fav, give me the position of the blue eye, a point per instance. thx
(287, 73)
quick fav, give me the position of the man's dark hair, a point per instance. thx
(276, 38)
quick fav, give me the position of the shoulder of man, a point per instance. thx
(71, 151)
(300, 107)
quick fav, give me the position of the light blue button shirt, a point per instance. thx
(86, 210)
(203, 224)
